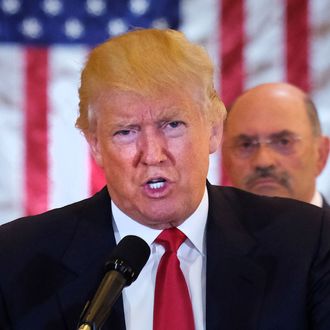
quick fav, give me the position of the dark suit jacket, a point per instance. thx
(268, 265)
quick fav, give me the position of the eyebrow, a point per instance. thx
(283, 134)
(279, 134)
(242, 137)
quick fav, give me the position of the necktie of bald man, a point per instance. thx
(172, 305)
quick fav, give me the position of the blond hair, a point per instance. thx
(147, 61)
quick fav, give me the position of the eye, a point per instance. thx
(123, 132)
(285, 144)
(124, 136)
(284, 141)
(175, 124)
(245, 145)
(174, 128)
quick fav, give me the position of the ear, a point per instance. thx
(323, 152)
(215, 136)
(95, 148)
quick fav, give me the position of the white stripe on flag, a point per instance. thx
(68, 152)
(200, 23)
(264, 53)
(11, 132)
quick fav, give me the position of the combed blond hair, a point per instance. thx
(147, 62)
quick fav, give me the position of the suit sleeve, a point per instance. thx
(4, 320)
(319, 299)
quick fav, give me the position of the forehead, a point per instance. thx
(132, 105)
(268, 114)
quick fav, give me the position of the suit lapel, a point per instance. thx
(235, 280)
(85, 258)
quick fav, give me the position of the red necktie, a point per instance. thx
(172, 305)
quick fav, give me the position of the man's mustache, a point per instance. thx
(281, 178)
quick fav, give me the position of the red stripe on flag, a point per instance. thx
(297, 43)
(97, 179)
(231, 45)
(36, 137)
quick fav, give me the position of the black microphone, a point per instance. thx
(124, 266)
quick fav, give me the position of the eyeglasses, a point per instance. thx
(284, 145)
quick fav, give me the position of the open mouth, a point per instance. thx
(156, 183)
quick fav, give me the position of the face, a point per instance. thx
(289, 157)
(154, 152)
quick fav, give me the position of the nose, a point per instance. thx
(263, 157)
(152, 148)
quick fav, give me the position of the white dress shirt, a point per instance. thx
(138, 298)
(317, 199)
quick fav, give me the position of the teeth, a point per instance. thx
(156, 185)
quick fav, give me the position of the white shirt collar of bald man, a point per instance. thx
(317, 199)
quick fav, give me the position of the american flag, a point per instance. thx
(44, 160)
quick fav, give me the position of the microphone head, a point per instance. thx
(129, 257)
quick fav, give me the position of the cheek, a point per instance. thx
(300, 166)
(188, 154)
(236, 169)
(303, 159)
(233, 164)
(116, 159)
(197, 149)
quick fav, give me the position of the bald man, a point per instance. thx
(273, 143)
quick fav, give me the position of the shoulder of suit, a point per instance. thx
(56, 224)
(263, 209)
(245, 198)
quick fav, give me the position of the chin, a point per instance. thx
(162, 218)
(161, 223)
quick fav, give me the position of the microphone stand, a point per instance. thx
(97, 311)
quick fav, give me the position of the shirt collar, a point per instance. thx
(317, 199)
(192, 227)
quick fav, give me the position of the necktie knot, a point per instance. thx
(171, 239)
